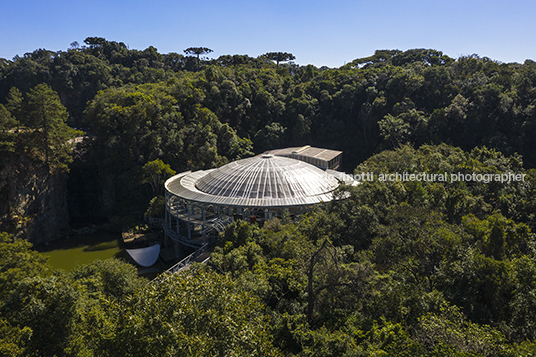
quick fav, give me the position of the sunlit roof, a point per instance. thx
(260, 181)
(307, 150)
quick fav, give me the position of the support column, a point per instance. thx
(204, 224)
(177, 216)
(166, 212)
(177, 252)
(189, 207)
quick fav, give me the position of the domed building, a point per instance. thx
(202, 203)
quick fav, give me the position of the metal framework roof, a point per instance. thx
(260, 181)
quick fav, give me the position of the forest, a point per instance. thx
(397, 268)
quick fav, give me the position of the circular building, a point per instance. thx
(202, 203)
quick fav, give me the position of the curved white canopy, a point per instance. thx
(145, 257)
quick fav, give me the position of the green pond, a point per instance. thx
(69, 253)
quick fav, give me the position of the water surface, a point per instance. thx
(69, 253)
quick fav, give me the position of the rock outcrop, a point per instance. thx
(33, 200)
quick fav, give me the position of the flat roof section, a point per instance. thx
(307, 150)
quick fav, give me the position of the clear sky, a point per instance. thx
(329, 33)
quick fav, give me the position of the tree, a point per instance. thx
(450, 333)
(157, 207)
(174, 61)
(415, 242)
(394, 129)
(197, 51)
(7, 122)
(18, 261)
(95, 41)
(200, 313)
(47, 116)
(326, 272)
(113, 278)
(15, 104)
(155, 173)
(271, 136)
(50, 307)
(279, 56)
(13, 339)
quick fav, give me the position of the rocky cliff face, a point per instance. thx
(33, 200)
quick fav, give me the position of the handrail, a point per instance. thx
(183, 264)
(187, 261)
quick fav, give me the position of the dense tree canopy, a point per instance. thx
(398, 267)
(370, 104)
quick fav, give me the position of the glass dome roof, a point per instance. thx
(262, 181)
(266, 176)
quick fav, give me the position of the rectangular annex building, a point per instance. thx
(321, 158)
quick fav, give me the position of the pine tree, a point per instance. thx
(46, 117)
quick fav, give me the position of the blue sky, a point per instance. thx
(328, 33)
